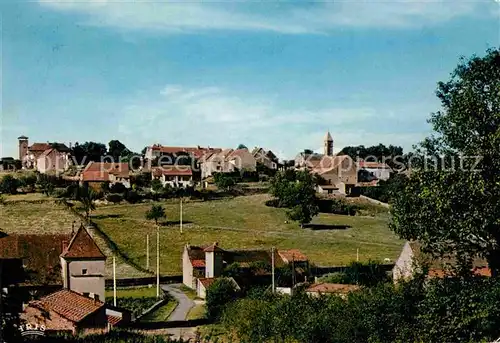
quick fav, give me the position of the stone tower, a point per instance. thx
(328, 144)
(214, 261)
(23, 147)
(84, 266)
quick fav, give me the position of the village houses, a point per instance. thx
(65, 274)
(44, 157)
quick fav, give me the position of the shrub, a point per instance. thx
(132, 196)
(114, 197)
(117, 188)
(9, 184)
(219, 295)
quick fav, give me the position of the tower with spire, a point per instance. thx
(328, 144)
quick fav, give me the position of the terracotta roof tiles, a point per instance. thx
(83, 246)
(69, 304)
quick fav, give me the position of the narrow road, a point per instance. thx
(184, 304)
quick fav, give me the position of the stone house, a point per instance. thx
(265, 158)
(412, 259)
(66, 311)
(59, 282)
(158, 150)
(207, 262)
(96, 173)
(338, 171)
(227, 161)
(30, 154)
(53, 161)
(175, 176)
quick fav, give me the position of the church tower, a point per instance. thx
(328, 144)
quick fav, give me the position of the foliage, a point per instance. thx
(114, 197)
(136, 305)
(219, 294)
(9, 184)
(141, 179)
(115, 336)
(223, 181)
(86, 196)
(451, 204)
(242, 146)
(132, 196)
(296, 190)
(445, 310)
(28, 181)
(88, 151)
(117, 149)
(156, 212)
(386, 190)
(376, 153)
(156, 186)
(117, 187)
(337, 206)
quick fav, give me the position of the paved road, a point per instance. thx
(184, 304)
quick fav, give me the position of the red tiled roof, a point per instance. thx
(82, 246)
(99, 171)
(173, 170)
(40, 255)
(69, 304)
(206, 282)
(198, 263)
(331, 288)
(39, 147)
(292, 255)
(113, 320)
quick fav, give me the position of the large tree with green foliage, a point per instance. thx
(117, 149)
(86, 196)
(220, 293)
(9, 184)
(296, 190)
(451, 204)
(155, 213)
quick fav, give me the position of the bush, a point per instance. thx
(132, 196)
(9, 184)
(273, 203)
(114, 198)
(219, 295)
(59, 192)
(117, 188)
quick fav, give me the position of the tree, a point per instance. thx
(296, 191)
(89, 151)
(114, 197)
(219, 294)
(156, 212)
(242, 146)
(9, 184)
(224, 182)
(454, 208)
(86, 196)
(156, 186)
(117, 149)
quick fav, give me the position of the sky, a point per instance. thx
(275, 74)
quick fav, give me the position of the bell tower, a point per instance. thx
(328, 144)
(23, 147)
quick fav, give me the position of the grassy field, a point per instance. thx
(161, 314)
(245, 222)
(135, 292)
(197, 312)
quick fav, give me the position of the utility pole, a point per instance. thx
(114, 281)
(357, 255)
(293, 271)
(272, 267)
(147, 251)
(158, 262)
(181, 214)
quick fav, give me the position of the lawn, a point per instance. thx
(197, 312)
(243, 223)
(161, 314)
(137, 299)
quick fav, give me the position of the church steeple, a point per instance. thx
(328, 144)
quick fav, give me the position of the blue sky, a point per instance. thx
(271, 74)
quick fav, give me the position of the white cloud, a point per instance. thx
(320, 17)
(219, 118)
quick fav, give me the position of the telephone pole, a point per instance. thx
(272, 268)
(158, 262)
(147, 251)
(114, 281)
(181, 214)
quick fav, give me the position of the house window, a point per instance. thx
(84, 271)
